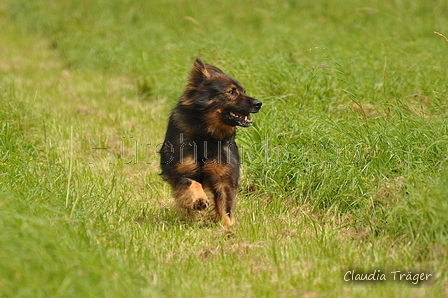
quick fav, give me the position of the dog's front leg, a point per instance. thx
(224, 195)
(222, 180)
(223, 189)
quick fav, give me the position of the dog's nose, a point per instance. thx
(257, 104)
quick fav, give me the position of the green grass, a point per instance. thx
(345, 167)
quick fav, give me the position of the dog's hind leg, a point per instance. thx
(190, 195)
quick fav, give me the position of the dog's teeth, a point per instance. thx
(245, 118)
(234, 115)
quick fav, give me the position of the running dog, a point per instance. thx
(199, 151)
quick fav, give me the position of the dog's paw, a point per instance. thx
(228, 221)
(200, 204)
(192, 198)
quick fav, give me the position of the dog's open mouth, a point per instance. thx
(240, 119)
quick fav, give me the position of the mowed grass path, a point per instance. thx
(344, 169)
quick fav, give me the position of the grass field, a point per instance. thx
(345, 168)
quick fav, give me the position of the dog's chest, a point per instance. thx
(211, 152)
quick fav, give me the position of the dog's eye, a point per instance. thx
(231, 91)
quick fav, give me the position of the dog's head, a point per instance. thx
(219, 96)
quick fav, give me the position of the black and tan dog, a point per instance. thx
(199, 151)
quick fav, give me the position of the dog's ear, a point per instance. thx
(213, 69)
(198, 75)
(199, 72)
